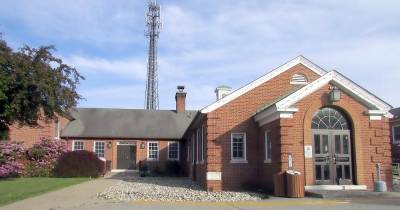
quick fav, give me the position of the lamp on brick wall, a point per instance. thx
(142, 145)
(109, 144)
(334, 95)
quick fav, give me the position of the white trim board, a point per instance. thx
(124, 170)
(335, 187)
(284, 109)
(345, 84)
(298, 60)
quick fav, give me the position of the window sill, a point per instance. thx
(239, 161)
(267, 161)
(201, 162)
(173, 159)
(152, 160)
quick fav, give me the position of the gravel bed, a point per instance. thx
(170, 189)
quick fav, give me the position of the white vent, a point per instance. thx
(299, 79)
(222, 91)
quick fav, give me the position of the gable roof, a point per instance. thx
(235, 94)
(128, 123)
(396, 113)
(370, 100)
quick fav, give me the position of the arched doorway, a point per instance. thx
(332, 147)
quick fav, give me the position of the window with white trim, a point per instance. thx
(198, 145)
(268, 147)
(193, 149)
(238, 146)
(152, 151)
(77, 145)
(57, 128)
(188, 152)
(173, 150)
(202, 143)
(396, 134)
(99, 148)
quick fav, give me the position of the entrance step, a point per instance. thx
(336, 187)
(349, 194)
(121, 173)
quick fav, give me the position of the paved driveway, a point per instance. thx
(278, 204)
(83, 197)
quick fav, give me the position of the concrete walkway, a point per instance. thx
(76, 196)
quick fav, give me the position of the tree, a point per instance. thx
(35, 83)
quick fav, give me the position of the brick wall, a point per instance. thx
(266, 169)
(141, 153)
(370, 139)
(236, 116)
(196, 169)
(31, 135)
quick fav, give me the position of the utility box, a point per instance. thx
(294, 184)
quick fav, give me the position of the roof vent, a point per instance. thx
(299, 79)
(222, 91)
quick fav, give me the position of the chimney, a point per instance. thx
(180, 98)
(222, 91)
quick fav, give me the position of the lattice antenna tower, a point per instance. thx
(153, 23)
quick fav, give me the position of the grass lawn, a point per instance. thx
(15, 189)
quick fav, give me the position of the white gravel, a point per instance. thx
(170, 189)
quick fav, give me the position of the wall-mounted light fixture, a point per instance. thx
(142, 145)
(109, 145)
(334, 95)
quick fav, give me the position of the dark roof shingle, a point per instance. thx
(128, 123)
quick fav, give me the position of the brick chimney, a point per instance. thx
(180, 98)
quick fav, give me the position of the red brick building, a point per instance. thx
(332, 130)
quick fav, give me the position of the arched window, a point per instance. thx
(328, 118)
(299, 79)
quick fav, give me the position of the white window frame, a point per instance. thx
(188, 152)
(104, 148)
(266, 142)
(202, 145)
(148, 151)
(178, 148)
(57, 131)
(394, 136)
(193, 149)
(197, 146)
(73, 145)
(239, 160)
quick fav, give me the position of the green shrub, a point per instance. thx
(34, 170)
(36, 153)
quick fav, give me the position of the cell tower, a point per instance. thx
(153, 22)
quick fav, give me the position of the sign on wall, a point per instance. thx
(214, 176)
(308, 151)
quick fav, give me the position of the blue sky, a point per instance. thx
(206, 43)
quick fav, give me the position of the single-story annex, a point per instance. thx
(331, 129)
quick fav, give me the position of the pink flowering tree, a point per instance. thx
(11, 158)
(42, 157)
